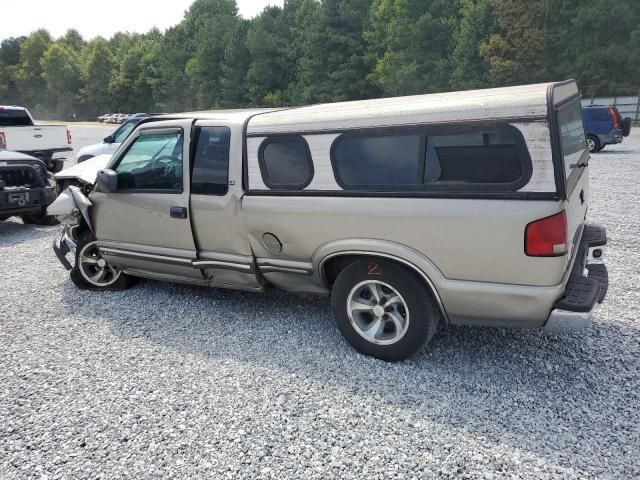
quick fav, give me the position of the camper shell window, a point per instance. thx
(474, 158)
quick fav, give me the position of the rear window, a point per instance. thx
(599, 114)
(14, 118)
(475, 159)
(572, 138)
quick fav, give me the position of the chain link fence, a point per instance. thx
(628, 106)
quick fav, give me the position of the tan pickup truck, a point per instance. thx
(466, 208)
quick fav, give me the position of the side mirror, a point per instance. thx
(108, 139)
(107, 181)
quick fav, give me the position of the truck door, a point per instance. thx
(145, 225)
(224, 253)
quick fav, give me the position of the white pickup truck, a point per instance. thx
(19, 133)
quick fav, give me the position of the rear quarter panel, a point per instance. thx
(470, 240)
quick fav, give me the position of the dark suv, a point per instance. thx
(25, 188)
(604, 126)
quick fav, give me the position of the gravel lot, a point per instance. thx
(171, 381)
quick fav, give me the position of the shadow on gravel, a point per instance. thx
(520, 388)
(611, 152)
(13, 231)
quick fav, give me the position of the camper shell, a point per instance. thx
(468, 207)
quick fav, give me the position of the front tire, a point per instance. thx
(593, 143)
(92, 272)
(383, 309)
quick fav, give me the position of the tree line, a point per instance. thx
(310, 51)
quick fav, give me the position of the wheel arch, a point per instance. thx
(331, 259)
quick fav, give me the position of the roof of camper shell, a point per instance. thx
(526, 101)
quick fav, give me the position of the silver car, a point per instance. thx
(465, 208)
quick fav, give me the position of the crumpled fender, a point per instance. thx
(69, 200)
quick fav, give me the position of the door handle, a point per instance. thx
(178, 212)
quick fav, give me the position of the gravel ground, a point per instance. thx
(171, 381)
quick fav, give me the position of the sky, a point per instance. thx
(94, 18)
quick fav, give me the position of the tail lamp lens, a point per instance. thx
(68, 136)
(547, 237)
(3, 141)
(612, 112)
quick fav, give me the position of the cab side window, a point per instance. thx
(210, 165)
(152, 162)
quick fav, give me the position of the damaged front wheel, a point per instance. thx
(91, 270)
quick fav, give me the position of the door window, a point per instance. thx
(153, 162)
(210, 168)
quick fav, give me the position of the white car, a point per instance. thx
(110, 143)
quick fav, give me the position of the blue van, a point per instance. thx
(604, 126)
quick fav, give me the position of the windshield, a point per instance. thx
(14, 118)
(123, 132)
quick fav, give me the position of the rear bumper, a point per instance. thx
(616, 136)
(587, 285)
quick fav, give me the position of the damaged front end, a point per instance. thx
(71, 208)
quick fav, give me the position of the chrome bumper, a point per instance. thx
(63, 244)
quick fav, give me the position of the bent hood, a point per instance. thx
(86, 171)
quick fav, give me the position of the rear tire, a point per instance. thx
(40, 218)
(383, 309)
(626, 126)
(92, 272)
(593, 143)
(56, 166)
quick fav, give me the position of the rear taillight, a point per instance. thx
(547, 237)
(614, 116)
(68, 136)
(3, 141)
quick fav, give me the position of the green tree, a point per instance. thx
(529, 36)
(99, 66)
(333, 65)
(477, 23)
(208, 23)
(234, 90)
(9, 61)
(32, 87)
(272, 70)
(410, 42)
(63, 75)
(73, 40)
(602, 59)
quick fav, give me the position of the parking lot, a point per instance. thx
(166, 380)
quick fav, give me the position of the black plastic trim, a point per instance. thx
(546, 196)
